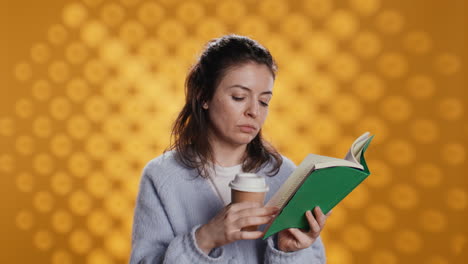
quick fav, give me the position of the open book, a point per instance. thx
(318, 181)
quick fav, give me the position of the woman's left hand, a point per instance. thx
(293, 239)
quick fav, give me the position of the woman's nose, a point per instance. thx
(253, 109)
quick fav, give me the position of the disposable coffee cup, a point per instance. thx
(248, 187)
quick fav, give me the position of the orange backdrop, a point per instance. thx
(89, 89)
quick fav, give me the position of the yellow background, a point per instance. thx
(89, 90)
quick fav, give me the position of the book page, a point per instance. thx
(289, 187)
(354, 153)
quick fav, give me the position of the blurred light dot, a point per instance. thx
(404, 196)
(428, 174)
(421, 86)
(408, 241)
(41, 90)
(97, 108)
(433, 220)
(43, 239)
(424, 130)
(40, 53)
(132, 33)
(78, 126)
(295, 26)
(95, 71)
(357, 237)
(97, 146)
(61, 257)
(93, 33)
(339, 253)
(112, 52)
(190, 12)
(80, 241)
(338, 220)
(458, 243)
(210, 28)
(230, 11)
(22, 71)
(25, 182)
(368, 86)
(318, 8)
(99, 223)
(390, 21)
(57, 34)
(62, 221)
(346, 108)
(60, 108)
(392, 65)
(342, 24)
(43, 201)
(273, 10)
(76, 53)
(93, 2)
(451, 108)
(114, 127)
(380, 217)
(447, 64)
(417, 42)
(7, 126)
(117, 205)
(366, 44)
(59, 71)
(80, 202)
(43, 163)
(365, 7)
(253, 25)
(61, 183)
(381, 173)
(7, 163)
(79, 164)
(453, 153)
(320, 46)
(323, 88)
(117, 244)
(396, 108)
(344, 66)
(436, 260)
(24, 108)
(326, 130)
(130, 2)
(24, 220)
(74, 14)
(25, 145)
(77, 90)
(358, 198)
(61, 145)
(99, 256)
(98, 184)
(113, 14)
(171, 31)
(400, 152)
(456, 198)
(376, 125)
(383, 256)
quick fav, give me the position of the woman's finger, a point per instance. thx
(252, 221)
(303, 240)
(247, 235)
(263, 211)
(314, 226)
(320, 217)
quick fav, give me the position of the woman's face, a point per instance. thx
(240, 104)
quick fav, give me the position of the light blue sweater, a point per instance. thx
(173, 202)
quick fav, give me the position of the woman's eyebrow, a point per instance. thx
(248, 89)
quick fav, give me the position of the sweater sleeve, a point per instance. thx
(153, 239)
(315, 254)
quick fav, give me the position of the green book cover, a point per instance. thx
(318, 181)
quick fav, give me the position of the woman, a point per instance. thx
(183, 212)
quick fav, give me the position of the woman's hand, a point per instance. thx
(293, 239)
(226, 226)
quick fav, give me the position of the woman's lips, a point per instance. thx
(247, 129)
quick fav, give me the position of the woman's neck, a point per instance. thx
(227, 155)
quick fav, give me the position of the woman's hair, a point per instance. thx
(189, 133)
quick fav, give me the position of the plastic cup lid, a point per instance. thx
(249, 182)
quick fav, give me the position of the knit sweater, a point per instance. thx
(173, 202)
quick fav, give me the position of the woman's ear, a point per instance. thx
(205, 105)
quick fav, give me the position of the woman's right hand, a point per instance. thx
(226, 226)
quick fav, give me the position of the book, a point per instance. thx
(318, 181)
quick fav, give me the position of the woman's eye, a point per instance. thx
(237, 98)
(263, 103)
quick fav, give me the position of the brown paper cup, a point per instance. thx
(241, 196)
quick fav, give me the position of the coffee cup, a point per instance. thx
(248, 187)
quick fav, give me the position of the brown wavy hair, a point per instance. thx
(189, 133)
